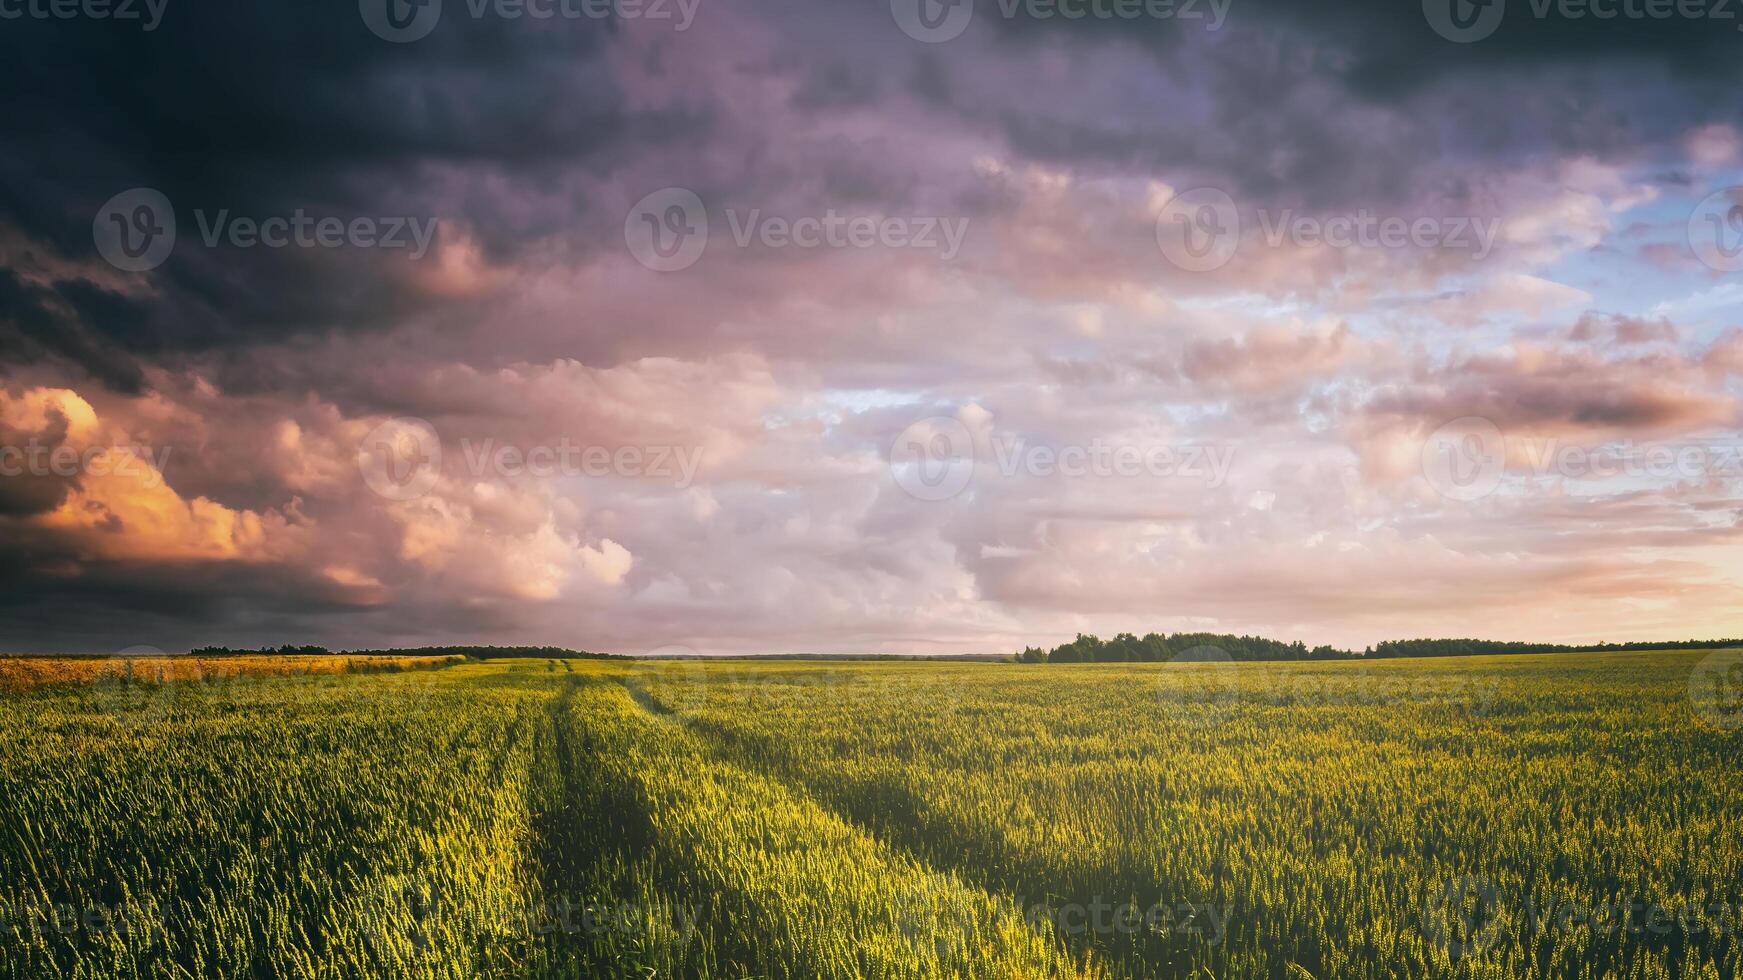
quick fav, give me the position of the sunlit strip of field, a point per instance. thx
(20, 673)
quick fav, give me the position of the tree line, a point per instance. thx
(1157, 647)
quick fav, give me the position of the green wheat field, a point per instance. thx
(1574, 816)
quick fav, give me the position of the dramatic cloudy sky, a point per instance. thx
(1110, 398)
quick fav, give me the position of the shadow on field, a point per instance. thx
(892, 814)
(588, 831)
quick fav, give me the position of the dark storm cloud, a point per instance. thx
(1383, 48)
(1329, 104)
(26, 491)
(1392, 45)
(258, 110)
(177, 607)
(37, 325)
(114, 606)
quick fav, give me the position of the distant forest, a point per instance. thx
(1122, 648)
(1153, 647)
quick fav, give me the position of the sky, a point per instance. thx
(877, 326)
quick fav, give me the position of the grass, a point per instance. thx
(1549, 816)
(23, 673)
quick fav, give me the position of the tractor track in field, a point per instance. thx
(895, 818)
